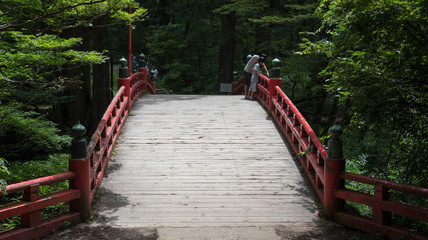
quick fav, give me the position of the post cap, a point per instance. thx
(123, 62)
(335, 130)
(276, 62)
(78, 130)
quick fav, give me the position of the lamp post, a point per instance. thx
(123, 71)
(130, 44)
(142, 61)
(276, 70)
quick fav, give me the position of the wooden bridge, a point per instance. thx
(208, 162)
(204, 161)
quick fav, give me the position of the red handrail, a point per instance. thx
(29, 209)
(297, 131)
(314, 161)
(43, 181)
(85, 175)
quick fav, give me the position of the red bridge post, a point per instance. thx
(80, 165)
(144, 71)
(142, 67)
(124, 80)
(334, 165)
(272, 90)
(274, 81)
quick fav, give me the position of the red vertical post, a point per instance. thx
(126, 82)
(145, 79)
(379, 216)
(130, 45)
(31, 219)
(272, 90)
(80, 165)
(333, 166)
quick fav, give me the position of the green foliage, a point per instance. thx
(23, 171)
(28, 134)
(377, 68)
(187, 61)
(3, 171)
(59, 14)
(242, 6)
(32, 80)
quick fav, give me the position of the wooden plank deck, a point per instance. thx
(202, 161)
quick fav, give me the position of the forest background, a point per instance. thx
(361, 62)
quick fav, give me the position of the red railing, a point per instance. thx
(382, 207)
(29, 210)
(302, 139)
(327, 174)
(238, 87)
(85, 173)
(101, 145)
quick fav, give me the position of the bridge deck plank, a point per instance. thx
(202, 161)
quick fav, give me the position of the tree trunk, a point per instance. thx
(227, 48)
(67, 114)
(101, 74)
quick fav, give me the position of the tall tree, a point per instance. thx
(101, 88)
(227, 47)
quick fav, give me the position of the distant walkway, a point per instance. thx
(213, 165)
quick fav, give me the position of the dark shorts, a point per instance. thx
(247, 77)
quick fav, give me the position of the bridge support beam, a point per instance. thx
(80, 165)
(333, 166)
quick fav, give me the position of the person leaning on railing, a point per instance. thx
(255, 78)
(248, 70)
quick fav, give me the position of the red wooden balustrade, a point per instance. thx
(85, 174)
(238, 86)
(327, 175)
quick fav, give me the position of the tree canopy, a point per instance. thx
(34, 59)
(378, 68)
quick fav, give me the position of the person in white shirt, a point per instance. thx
(255, 78)
(248, 71)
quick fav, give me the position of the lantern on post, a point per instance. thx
(276, 70)
(333, 166)
(142, 61)
(80, 165)
(78, 145)
(123, 70)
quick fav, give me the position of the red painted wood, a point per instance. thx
(399, 208)
(327, 176)
(310, 162)
(46, 227)
(423, 192)
(368, 226)
(81, 182)
(49, 180)
(31, 219)
(86, 174)
(45, 201)
(332, 169)
(238, 87)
